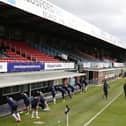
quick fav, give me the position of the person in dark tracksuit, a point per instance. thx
(124, 88)
(26, 102)
(84, 84)
(60, 89)
(71, 84)
(13, 105)
(43, 102)
(105, 89)
(34, 106)
(65, 86)
(78, 83)
(53, 92)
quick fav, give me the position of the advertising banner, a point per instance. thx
(53, 66)
(23, 67)
(3, 67)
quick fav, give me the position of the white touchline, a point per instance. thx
(88, 122)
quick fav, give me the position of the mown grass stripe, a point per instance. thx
(102, 110)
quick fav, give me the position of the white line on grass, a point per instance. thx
(95, 116)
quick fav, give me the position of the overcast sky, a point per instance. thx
(108, 15)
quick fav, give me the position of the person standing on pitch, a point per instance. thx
(34, 106)
(72, 84)
(124, 88)
(53, 92)
(105, 89)
(65, 86)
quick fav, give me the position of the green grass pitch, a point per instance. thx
(83, 107)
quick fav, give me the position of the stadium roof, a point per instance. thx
(49, 11)
(22, 78)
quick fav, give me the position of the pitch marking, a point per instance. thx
(103, 109)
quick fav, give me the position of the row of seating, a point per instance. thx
(22, 52)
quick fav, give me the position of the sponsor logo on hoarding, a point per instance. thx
(54, 65)
(26, 66)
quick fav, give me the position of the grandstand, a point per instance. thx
(21, 52)
(53, 44)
